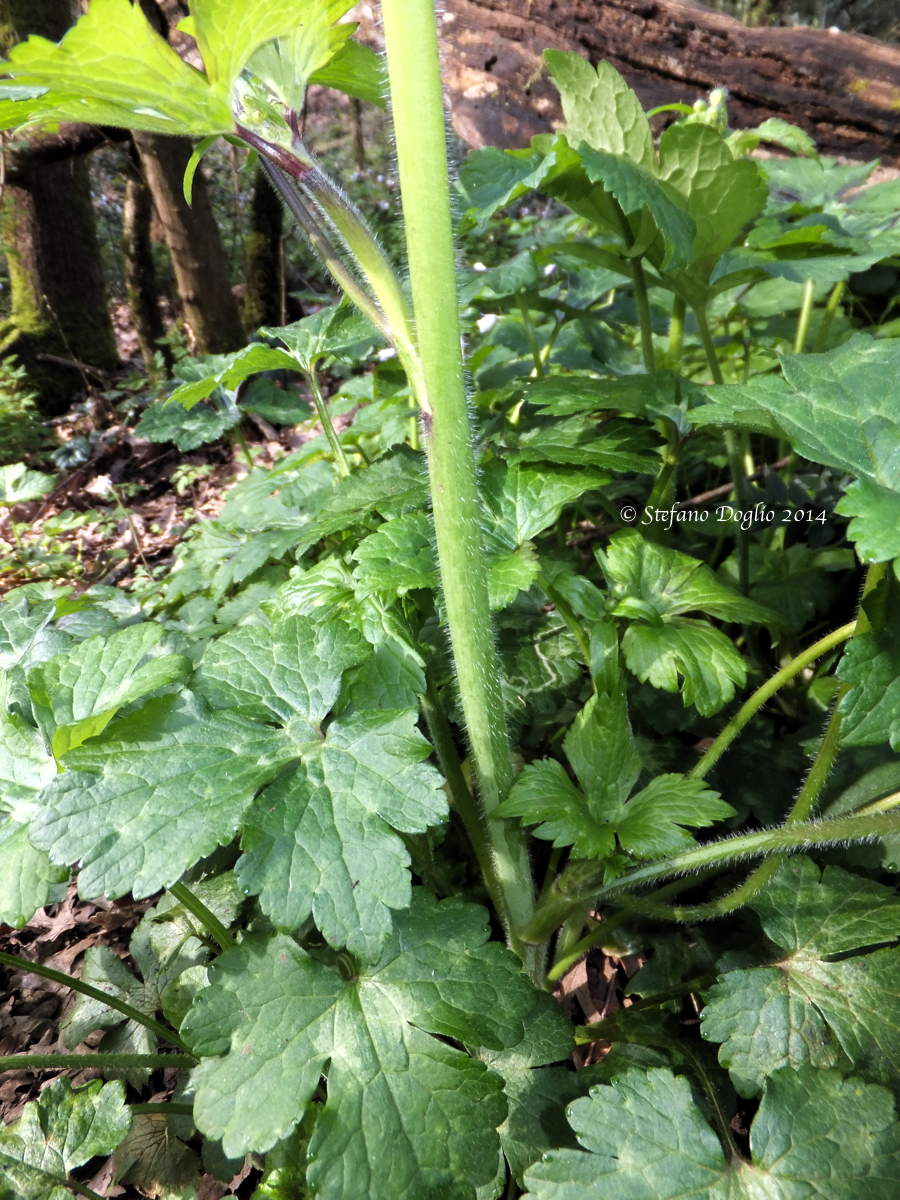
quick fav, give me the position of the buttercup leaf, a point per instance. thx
(805, 1008)
(815, 1134)
(280, 1019)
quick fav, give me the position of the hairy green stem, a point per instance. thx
(241, 438)
(762, 875)
(806, 308)
(207, 918)
(586, 887)
(419, 123)
(600, 935)
(750, 707)
(565, 610)
(346, 279)
(340, 459)
(110, 1062)
(87, 989)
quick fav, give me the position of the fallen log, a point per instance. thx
(843, 89)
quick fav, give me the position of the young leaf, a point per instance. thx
(165, 422)
(806, 1007)
(289, 64)
(636, 190)
(27, 877)
(525, 501)
(406, 1114)
(601, 750)
(815, 1134)
(871, 708)
(61, 1130)
(113, 68)
(338, 331)
(723, 195)
(651, 586)
(490, 179)
(600, 108)
(228, 34)
(666, 583)
(26, 874)
(397, 558)
(228, 371)
(18, 484)
(613, 445)
(77, 694)
(686, 655)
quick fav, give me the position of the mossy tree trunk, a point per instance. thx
(141, 287)
(264, 261)
(209, 308)
(58, 304)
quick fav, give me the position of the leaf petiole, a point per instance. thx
(205, 916)
(86, 989)
(763, 693)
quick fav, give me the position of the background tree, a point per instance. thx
(192, 237)
(58, 310)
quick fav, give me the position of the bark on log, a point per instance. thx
(842, 88)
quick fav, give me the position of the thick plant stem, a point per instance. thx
(763, 693)
(87, 989)
(109, 1062)
(419, 123)
(207, 919)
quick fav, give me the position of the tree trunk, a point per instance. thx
(842, 88)
(141, 289)
(192, 237)
(264, 275)
(58, 304)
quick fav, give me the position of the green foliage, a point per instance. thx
(836, 408)
(599, 815)
(112, 68)
(62, 1130)
(804, 1007)
(654, 586)
(435, 976)
(22, 434)
(644, 1136)
(18, 485)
